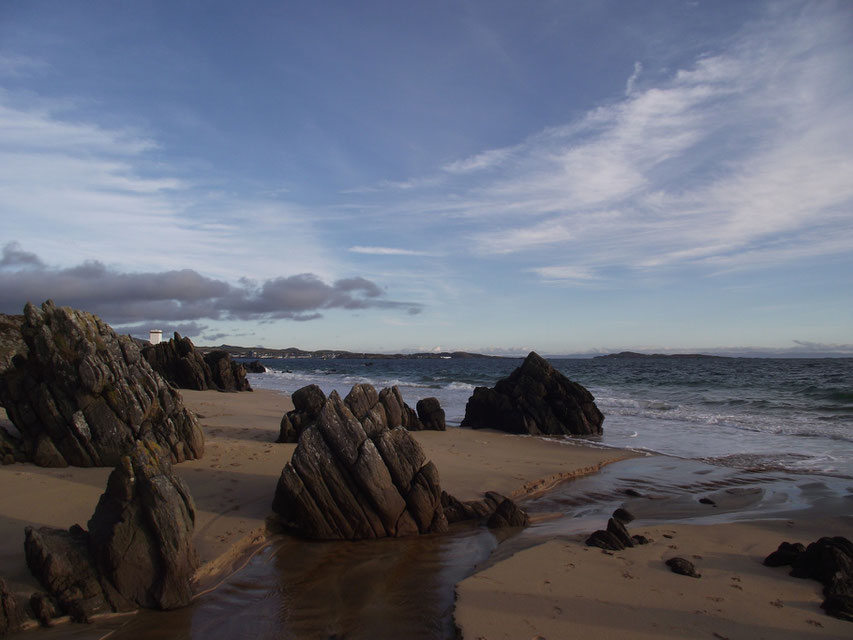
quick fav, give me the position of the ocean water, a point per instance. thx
(758, 414)
(764, 438)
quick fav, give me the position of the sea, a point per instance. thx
(753, 438)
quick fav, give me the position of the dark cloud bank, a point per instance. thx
(178, 298)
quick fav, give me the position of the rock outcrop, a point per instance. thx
(616, 536)
(83, 395)
(353, 478)
(307, 403)
(11, 341)
(535, 399)
(431, 414)
(497, 510)
(255, 367)
(827, 560)
(138, 551)
(183, 366)
(375, 411)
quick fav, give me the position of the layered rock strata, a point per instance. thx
(138, 551)
(351, 477)
(535, 399)
(83, 395)
(376, 411)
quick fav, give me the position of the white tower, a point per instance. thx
(155, 336)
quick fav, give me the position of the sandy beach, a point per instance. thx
(552, 590)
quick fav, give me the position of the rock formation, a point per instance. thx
(498, 511)
(375, 411)
(255, 367)
(431, 414)
(138, 551)
(827, 560)
(183, 366)
(616, 536)
(11, 611)
(11, 341)
(353, 478)
(535, 399)
(307, 403)
(83, 395)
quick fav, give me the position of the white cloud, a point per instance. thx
(566, 273)
(742, 157)
(386, 251)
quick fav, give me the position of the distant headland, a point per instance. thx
(634, 354)
(329, 354)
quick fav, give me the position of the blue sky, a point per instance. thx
(569, 177)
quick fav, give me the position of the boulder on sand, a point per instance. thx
(83, 395)
(535, 399)
(357, 479)
(138, 551)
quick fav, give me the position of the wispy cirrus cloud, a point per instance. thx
(742, 157)
(387, 251)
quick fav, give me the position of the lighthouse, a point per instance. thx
(155, 336)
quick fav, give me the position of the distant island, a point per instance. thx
(329, 354)
(634, 354)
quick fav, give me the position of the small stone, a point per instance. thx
(682, 567)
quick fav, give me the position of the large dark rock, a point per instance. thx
(138, 551)
(179, 362)
(535, 399)
(83, 395)
(497, 510)
(141, 532)
(353, 480)
(508, 514)
(255, 367)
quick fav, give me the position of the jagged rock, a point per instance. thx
(786, 554)
(44, 608)
(255, 367)
(307, 403)
(61, 561)
(616, 537)
(141, 532)
(397, 412)
(138, 551)
(830, 562)
(343, 483)
(535, 399)
(183, 366)
(11, 612)
(682, 567)
(431, 414)
(11, 341)
(225, 373)
(618, 530)
(508, 514)
(604, 540)
(83, 394)
(375, 411)
(458, 511)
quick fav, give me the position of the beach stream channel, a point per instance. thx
(404, 588)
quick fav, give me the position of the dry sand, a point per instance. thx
(564, 589)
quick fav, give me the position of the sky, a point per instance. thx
(494, 176)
